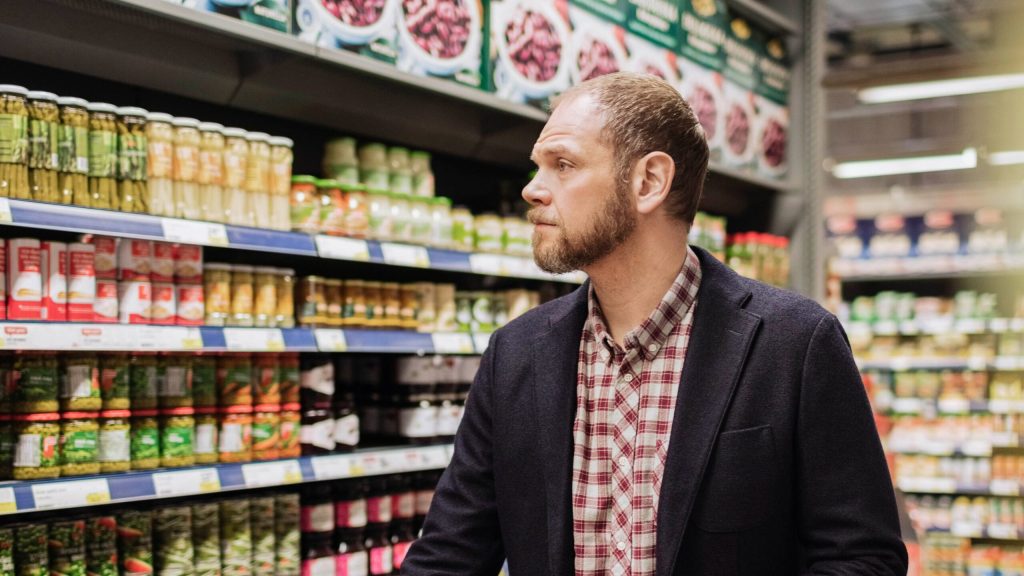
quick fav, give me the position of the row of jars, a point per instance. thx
(379, 167)
(243, 295)
(66, 150)
(329, 302)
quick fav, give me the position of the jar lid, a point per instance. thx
(420, 154)
(132, 111)
(379, 191)
(242, 409)
(257, 137)
(147, 413)
(41, 417)
(267, 408)
(160, 117)
(13, 89)
(41, 95)
(216, 266)
(211, 127)
(206, 410)
(328, 183)
(80, 415)
(116, 414)
(243, 268)
(286, 271)
(185, 123)
(101, 107)
(281, 141)
(442, 201)
(304, 179)
(180, 411)
(292, 406)
(266, 270)
(72, 101)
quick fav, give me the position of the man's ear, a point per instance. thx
(653, 175)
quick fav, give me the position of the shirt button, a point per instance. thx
(604, 354)
(653, 347)
(621, 546)
(623, 462)
(628, 377)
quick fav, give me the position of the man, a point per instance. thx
(669, 417)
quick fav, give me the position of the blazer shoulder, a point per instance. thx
(779, 306)
(540, 319)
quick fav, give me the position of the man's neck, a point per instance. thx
(631, 281)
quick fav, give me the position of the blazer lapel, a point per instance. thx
(719, 343)
(555, 361)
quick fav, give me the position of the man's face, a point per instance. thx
(581, 213)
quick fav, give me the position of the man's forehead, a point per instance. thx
(573, 118)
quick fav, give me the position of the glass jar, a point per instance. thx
(391, 298)
(115, 453)
(317, 433)
(488, 233)
(422, 175)
(441, 222)
(236, 434)
(266, 381)
(513, 241)
(305, 205)
(73, 151)
(132, 156)
(236, 160)
(284, 316)
(37, 452)
(257, 178)
(144, 380)
(280, 181)
(14, 152)
(79, 443)
(332, 207)
(400, 180)
(353, 312)
(374, 304)
(43, 158)
(6, 445)
(217, 293)
(115, 381)
(373, 166)
(463, 229)
(145, 440)
(312, 301)
(464, 311)
(80, 383)
(335, 297)
(187, 141)
(290, 377)
(160, 165)
(102, 155)
(205, 449)
(36, 382)
(241, 296)
(211, 171)
(234, 373)
(177, 433)
(380, 214)
(410, 307)
(291, 422)
(340, 162)
(174, 380)
(204, 380)
(357, 210)
(266, 431)
(265, 308)
(401, 218)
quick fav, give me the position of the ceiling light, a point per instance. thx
(1006, 157)
(938, 88)
(868, 168)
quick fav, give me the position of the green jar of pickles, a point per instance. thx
(177, 431)
(204, 380)
(145, 440)
(80, 383)
(115, 381)
(37, 452)
(36, 382)
(143, 382)
(115, 441)
(79, 443)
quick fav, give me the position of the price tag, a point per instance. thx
(5, 211)
(999, 325)
(954, 405)
(434, 457)
(7, 502)
(480, 342)
(966, 530)
(408, 460)
(977, 448)
(405, 255)
(189, 232)
(271, 473)
(166, 338)
(371, 464)
(1005, 439)
(900, 364)
(1003, 531)
(970, 326)
(452, 343)
(342, 248)
(938, 448)
(977, 363)
(1004, 488)
(887, 328)
(333, 467)
(487, 264)
(909, 327)
(1006, 363)
(254, 339)
(907, 405)
(328, 340)
(73, 494)
(186, 482)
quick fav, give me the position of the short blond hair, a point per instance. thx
(644, 114)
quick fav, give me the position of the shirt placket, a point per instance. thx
(623, 448)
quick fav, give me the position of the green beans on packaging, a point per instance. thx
(235, 538)
(172, 538)
(264, 543)
(206, 538)
(31, 553)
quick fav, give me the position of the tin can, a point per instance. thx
(105, 307)
(191, 305)
(136, 301)
(81, 282)
(24, 279)
(53, 264)
(162, 264)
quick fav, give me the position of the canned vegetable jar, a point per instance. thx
(101, 546)
(37, 448)
(174, 553)
(145, 440)
(36, 382)
(80, 385)
(67, 548)
(235, 538)
(143, 381)
(204, 380)
(79, 443)
(115, 454)
(206, 538)
(115, 381)
(177, 431)
(235, 436)
(31, 549)
(135, 542)
(234, 375)
(205, 446)
(266, 431)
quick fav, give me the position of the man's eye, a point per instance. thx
(563, 166)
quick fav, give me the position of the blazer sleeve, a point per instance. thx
(461, 535)
(848, 524)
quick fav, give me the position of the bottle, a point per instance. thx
(346, 420)
(351, 556)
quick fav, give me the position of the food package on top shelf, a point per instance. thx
(702, 34)
(771, 140)
(939, 236)
(530, 50)
(598, 40)
(649, 58)
(987, 234)
(366, 27)
(652, 38)
(739, 139)
(890, 238)
(275, 14)
(443, 39)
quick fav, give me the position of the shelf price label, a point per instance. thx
(1003, 531)
(970, 326)
(907, 405)
(254, 339)
(480, 342)
(53, 495)
(452, 343)
(339, 248)
(487, 264)
(186, 482)
(999, 325)
(189, 232)
(371, 464)
(5, 211)
(8, 504)
(328, 340)
(977, 448)
(405, 255)
(954, 405)
(1004, 488)
(272, 473)
(434, 457)
(168, 338)
(332, 467)
(887, 328)
(967, 530)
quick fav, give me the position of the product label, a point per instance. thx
(352, 564)
(378, 509)
(319, 379)
(289, 436)
(176, 442)
(29, 451)
(205, 439)
(105, 307)
(161, 159)
(233, 437)
(13, 138)
(132, 156)
(267, 385)
(82, 277)
(174, 382)
(318, 567)
(145, 443)
(114, 446)
(43, 145)
(350, 513)
(264, 436)
(186, 163)
(400, 550)
(211, 171)
(81, 381)
(346, 430)
(73, 149)
(317, 518)
(144, 382)
(381, 560)
(423, 500)
(403, 505)
(320, 434)
(102, 154)
(449, 417)
(189, 262)
(190, 304)
(79, 446)
(419, 422)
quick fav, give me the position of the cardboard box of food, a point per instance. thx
(702, 31)
(275, 14)
(598, 40)
(445, 39)
(740, 81)
(366, 27)
(530, 50)
(772, 102)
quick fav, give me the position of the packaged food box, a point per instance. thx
(702, 32)
(650, 58)
(366, 27)
(656, 21)
(445, 39)
(598, 42)
(530, 50)
(275, 14)
(772, 102)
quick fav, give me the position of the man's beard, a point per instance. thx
(612, 225)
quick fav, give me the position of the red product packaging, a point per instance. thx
(135, 258)
(24, 279)
(162, 262)
(191, 305)
(81, 282)
(53, 265)
(188, 264)
(106, 257)
(136, 301)
(105, 306)
(165, 307)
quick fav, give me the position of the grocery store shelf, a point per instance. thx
(758, 11)
(1006, 532)
(900, 363)
(65, 493)
(926, 485)
(968, 449)
(935, 326)
(955, 406)
(923, 269)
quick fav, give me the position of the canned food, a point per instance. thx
(217, 288)
(266, 431)
(284, 316)
(178, 427)
(206, 445)
(265, 308)
(241, 296)
(37, 453)
(81, 288)
(236, 434)
(80, 385)
(24, 279)
(53, 264)
(115, 441)
(79, 443)
(145, 440)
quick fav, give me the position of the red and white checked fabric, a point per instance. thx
(625, 401)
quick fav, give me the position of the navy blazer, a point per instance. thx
(774, 463)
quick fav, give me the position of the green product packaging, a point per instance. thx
(235, 538)
(101, 546)
(13, 138)
(206, 538)
(67, 548)
(176, 441)
(135, 542)
(657, 21)
(31, 550)
(264, 542)
(287, 535)
(6, 552)
(173, 554)
(145, 439)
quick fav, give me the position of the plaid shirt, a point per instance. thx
(625, 401)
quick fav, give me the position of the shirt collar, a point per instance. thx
(653, 332)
